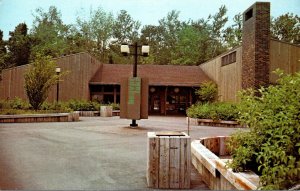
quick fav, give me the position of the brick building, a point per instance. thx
(171, 88)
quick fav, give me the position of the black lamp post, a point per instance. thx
(125, 50)
(57, 70)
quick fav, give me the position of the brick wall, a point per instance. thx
(256, 46)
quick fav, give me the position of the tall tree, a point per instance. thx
(3, 52)
(18, 46)
(126, 29)
(152, 35)
(49, 33)
(169, 27)
(186, 51)
(233, 34)
(286, 28)
(97, 32)
(218, 22)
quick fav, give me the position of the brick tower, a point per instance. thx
(256, 46)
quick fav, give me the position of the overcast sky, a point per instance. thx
(13, 12)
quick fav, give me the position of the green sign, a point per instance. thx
(134, 88)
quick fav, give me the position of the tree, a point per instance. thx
(218, 22)
(233, 34)
(97, 32)
(286, 28)
(126, 29)
(152, 35)
(38, 80)
(186, 51)
(49, 33)
(18, 46)
(170, 27)
(3, 52)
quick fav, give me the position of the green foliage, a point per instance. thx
(215, 111)
(233, 34)
(56, 107)
(208, 92)
(99, 32)
(49, 34)
(38, 80)
(115, 106)
(18, 46)
(95, 33)
(16, 103)
(272, 146)
(82, 105)
(286, 28)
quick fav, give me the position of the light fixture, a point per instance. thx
(125, 49)
(57, 70)
(176, 90)
(145, 50)
(152, 89)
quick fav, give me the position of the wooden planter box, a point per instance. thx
(213, 123)
(169, 160)
(209, 156)
(106, 111)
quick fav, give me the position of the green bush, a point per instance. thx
(56, 107)
(215, 111)
(115, 106)
(18, 103)
(272, 147)
(82, 105)
(208, 92)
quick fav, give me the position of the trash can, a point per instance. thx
(169, 160)
(106, 111)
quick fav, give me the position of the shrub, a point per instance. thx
(215, 111)
(208, 92)
(18, 103)
(82, 105)
(38, 80)
(272, 147)
(115, 106)
(56, 106)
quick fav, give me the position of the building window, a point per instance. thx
(229, 58)
(249, 14)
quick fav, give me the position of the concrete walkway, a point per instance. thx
(95, 153)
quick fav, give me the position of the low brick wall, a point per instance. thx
(209, 156)
(213, 123)
(33, 118)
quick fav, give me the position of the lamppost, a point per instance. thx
(125, 50)
(57, 70)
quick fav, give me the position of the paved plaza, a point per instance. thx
(94, 153)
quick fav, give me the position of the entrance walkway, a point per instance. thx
(95, 153)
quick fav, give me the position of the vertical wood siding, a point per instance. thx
(284, 56)
(228, 77)
(81, 68)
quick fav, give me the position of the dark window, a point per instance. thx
(249, 14)
(95, 88)
(228, 59)
(107, 99)
(108, 88)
